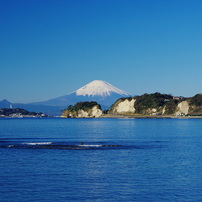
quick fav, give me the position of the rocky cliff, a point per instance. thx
(83, 110)
(123, 105)
(158, 104)
(190, 106)
(182, 108)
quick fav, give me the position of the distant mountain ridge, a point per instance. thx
(99, 91)
(50, 110)
(5, 104)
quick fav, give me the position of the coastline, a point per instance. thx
(137, 116)
(114, 116)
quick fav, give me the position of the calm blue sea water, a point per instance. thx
(54, 159)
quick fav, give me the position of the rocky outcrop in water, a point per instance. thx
(83, 110)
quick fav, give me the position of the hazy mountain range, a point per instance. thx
(100, 91)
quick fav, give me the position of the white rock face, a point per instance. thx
(82, 114)
(164, 110)
(94, 113)
(99, 88)
(125, 106)
(182, 108)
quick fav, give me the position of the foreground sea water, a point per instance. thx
(53, 159)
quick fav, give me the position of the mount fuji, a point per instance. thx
(100, 91)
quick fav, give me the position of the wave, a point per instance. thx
(88, 145)
(10, 146)
(38, 143)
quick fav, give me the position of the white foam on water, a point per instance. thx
(37, 143)
(90, 145)
(10, 146)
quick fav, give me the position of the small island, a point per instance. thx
(83, 110)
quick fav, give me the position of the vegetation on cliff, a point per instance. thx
(151, 101)
(196, 100)
(171, 106)
(195, 105)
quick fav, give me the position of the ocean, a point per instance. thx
(105, 159)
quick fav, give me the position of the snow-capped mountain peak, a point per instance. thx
(99, 88)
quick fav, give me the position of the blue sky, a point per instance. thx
(50, 48)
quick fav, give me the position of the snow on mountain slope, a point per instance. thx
(99, 88)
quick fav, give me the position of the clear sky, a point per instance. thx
(50, 48)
